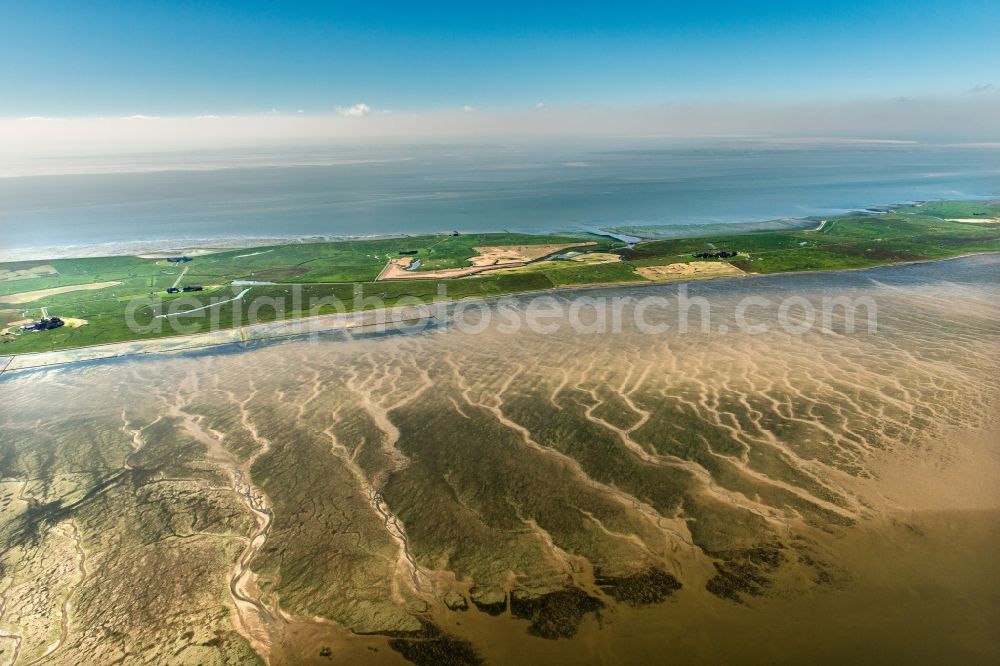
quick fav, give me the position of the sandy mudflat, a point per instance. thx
(558, 497)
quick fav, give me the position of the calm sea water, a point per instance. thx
(338, 191)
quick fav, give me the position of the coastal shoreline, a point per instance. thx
(347, 276)
(208, 245)
(291, 328)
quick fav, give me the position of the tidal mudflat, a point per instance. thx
(458, 495)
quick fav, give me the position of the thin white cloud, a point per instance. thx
(468, 109)
(986, 87)
(539, 105)
(357, 111)
(813, 140)
(958, 118)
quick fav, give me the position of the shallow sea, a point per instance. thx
(653, 185)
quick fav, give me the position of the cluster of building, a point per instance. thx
(43, 324)
(177, 290)
(722, 254)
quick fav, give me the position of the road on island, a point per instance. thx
(179, 277)
(205, 307)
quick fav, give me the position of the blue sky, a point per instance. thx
(247, 56)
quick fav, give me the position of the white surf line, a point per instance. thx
(178, 280)
(205, 307)
(253, 254)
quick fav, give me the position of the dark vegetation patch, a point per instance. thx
(140, 476)
(909, 527)
(431, 647)
(644, 588)
(744, 571)
(556, 614)
(825, 573)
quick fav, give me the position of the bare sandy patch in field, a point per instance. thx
(28, 296)
(505, 254)
(8, 275)
(489, 258)
(688, 270)
(975, 220)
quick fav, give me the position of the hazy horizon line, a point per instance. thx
(969, 118)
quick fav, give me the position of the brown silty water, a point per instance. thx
(580, 495)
